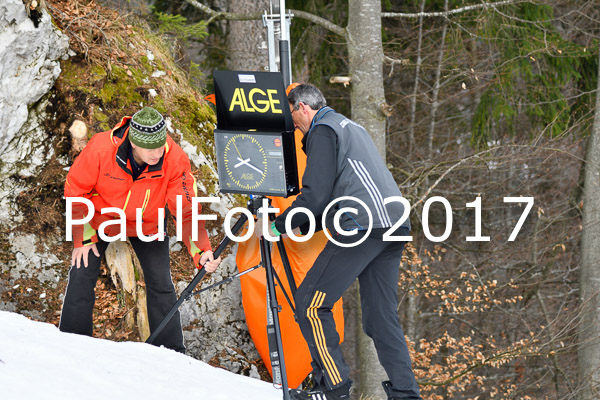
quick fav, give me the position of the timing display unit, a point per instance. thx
(251, 162)
(254, 139)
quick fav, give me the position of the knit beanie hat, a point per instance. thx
(148, 129)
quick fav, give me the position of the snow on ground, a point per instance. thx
(37, 361)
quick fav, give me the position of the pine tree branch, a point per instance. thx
(461, 10)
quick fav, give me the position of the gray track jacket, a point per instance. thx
(342, 161)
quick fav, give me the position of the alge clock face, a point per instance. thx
(245, 161)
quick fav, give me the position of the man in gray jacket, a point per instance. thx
(344, 167)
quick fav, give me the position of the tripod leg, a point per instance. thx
(287, 268)
(187, 292)
(286, 264)
(274, 331)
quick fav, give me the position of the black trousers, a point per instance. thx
(78, 305)
(376, 264)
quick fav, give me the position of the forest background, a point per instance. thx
(466, 100)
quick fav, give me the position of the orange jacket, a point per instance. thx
(102, 174)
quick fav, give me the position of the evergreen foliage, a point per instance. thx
(177, 25)
(534, 70)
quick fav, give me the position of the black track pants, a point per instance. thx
(78, 305)
(376, 265)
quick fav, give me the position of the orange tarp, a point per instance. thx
(301, 257)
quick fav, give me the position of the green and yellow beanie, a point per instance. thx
(148, 129)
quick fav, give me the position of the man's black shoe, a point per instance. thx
(339, 393)
(297, 394)
(387, 386)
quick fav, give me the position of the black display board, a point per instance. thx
(254, 139)
(251, 100)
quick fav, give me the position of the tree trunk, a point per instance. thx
(246, 40)
(413, 99)
(588, 362)
(371, 372)
(123, 273)
(435, 103)
(365, 58)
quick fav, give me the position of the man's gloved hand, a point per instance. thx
(258, 230)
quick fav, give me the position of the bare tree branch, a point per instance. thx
(338, 30)
(399, 61)
(476, 156)
(461, 10)
(217, 15)
(315, 19)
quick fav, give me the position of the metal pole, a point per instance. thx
(284, 33)
(274, 330)
(269, 23)
(284, 46)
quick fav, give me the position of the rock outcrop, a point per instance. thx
(42, 126)
(29, 66)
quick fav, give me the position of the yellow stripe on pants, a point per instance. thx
(319, 336)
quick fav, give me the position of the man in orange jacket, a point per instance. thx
(135, 166)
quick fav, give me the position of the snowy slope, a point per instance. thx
(37, 361)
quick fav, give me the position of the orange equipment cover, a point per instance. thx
(254, 289)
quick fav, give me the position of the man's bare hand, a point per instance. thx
(209, 262)
(83, 252)
(258, 228)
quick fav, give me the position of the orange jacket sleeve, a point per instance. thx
(183, 184)
(81, 179)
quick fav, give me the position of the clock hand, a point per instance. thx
(236, 149)
(247, 163)
(241, 162)
(254, 168)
